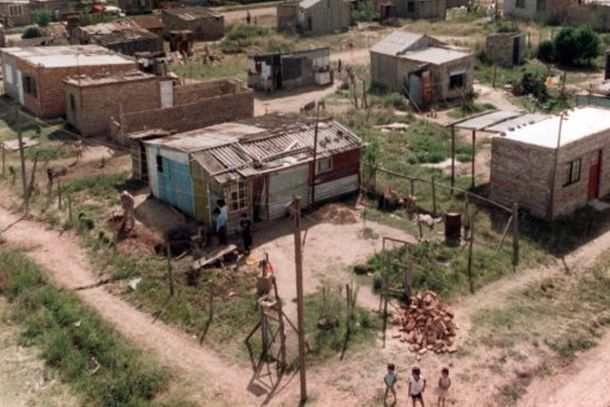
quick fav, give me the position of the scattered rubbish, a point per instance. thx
(133, 283)
(78, 323)
(426, 325)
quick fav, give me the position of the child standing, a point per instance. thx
(417, 386)
(390, 380)
(444, 382)
(246, 232)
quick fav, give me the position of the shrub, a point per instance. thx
(364, 12)
(396, 100)
(534, 83)
(505, 27)
(576, 46)
(546, 51)
(31, 32)
(42, 17)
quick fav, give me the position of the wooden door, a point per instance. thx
(594, 172)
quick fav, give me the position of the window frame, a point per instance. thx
(29, 85)
(410, 6)
(520, 3)
(323, 160)
(574, 172)
(462, 81)
(240, 201)
(159, 162)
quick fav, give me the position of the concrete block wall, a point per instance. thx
(521, 173)
(95, 105)
(499, 48)
(187, 94)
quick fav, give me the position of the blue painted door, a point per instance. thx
(415, 89)
(176, 187)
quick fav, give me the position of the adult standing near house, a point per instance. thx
(246, 232)
(50, 178)
(221, 226)
(128, 205)
(248, 17)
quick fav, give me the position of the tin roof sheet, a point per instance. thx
(396, 42)
(487, 120)
(435, 55)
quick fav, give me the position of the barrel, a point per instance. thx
(453, 226)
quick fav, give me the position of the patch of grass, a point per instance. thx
(242, 38)
(102, 185)
(73, 340)
(467, 110)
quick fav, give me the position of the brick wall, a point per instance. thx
(204, 28)
(51, 100)
(186, 94)
(205, 112)
(94, 105)
(499, 48)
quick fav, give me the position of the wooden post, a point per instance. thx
(3, 160)
(493, 81)
(69, 208)
(365, 103)
(170, 276)
(298, 260)
(59, 193)
(33, 176)
(474, 153)
(412, 186)
(452, 158)
(515, 234)
(355, 95)
(433, 183)
(471, 243)
(385, 304)
(281, 325)
(26, 195)
(466, 215)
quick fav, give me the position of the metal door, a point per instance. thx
(594, 171)
(415, 89)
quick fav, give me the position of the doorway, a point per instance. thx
(594, 172)
(516, 50)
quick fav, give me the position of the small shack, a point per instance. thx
(505, 49)
(314, 17)
(270, 72)
(15, 13)
(412, 9)
(206, 24)
(427, 70)
(256, 166)
(553, 166)
(124, 36)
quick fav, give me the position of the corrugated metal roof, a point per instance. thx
(396, 42)
(435, 55)
(68, 55)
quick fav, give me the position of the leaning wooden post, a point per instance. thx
(59, 193)
(365, 103)
(433, 183)
(170, 277)
(515, 234)
(471, 243)
(26, 195)
(452, 158)
(474, 153)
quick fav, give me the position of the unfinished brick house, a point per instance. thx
(124, 36)
(91, 100)
(505, 49)
(427, 70)
(314, 17)
(206, 24)
(35, 76)
(257, 165)
(290, 70)
(595, 13)
(554, 166)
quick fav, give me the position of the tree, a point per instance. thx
(42, 17)
(546, 51)
(31, 32)
(576, 46)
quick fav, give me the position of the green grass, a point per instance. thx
(242, 38)
(101, 185)
(70, 336)
(467, 110)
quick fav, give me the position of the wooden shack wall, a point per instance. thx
(328, 16)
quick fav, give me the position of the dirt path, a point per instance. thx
(67, 264)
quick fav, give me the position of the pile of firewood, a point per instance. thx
(426, 325)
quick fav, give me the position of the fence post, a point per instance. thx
(515, 234)
(412, 186)
(59, 193)
(471, 243)
(170, 277)
(433, 197)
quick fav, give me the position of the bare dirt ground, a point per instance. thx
(290, 101)
(24, 379)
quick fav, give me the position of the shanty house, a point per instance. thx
(595, 13)
(427, 70)
(124, 36)
(413, 9)
(133, 7)
(15, 13)
(314, 17)
(554, 166)
(206, 24)
(34, 76)
(255, 165)
(505, 49)
(289, 70)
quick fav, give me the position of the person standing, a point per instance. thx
(246, 232)
(128, 205)
(221, 227)
(390, 380)
(417, 386)
(444, 382)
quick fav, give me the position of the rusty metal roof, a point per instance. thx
(253, 146)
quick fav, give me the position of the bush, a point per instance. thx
(577, 46)
(534, 83)
(505, 27)
(395, 100)
(42, 17)
(546, 51)
(31, 32)
(364, 12)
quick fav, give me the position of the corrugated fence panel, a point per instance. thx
(283, 185)
(336, 188)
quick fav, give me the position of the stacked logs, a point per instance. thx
(426, 325)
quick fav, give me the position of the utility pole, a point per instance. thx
(298, 260)
(315, 157)
(26, 195)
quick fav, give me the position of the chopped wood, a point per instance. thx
(426, 325)
(216, 255)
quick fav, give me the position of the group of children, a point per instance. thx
(221, 218)
(417, 386)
